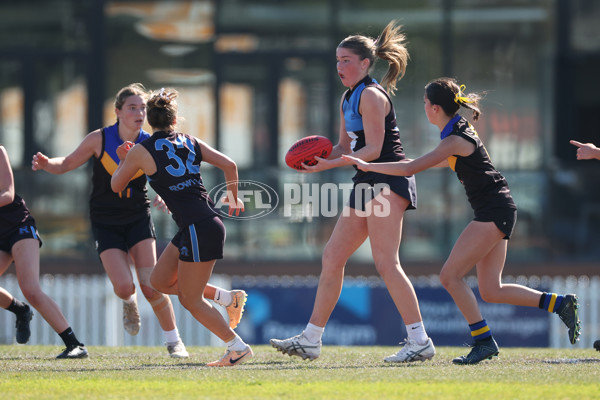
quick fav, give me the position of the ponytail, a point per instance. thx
(389, 46)
(446, 93)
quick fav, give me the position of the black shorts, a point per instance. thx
(202, 241)
(123, 237)
(25, 231)
(504, 218)
(363, 192)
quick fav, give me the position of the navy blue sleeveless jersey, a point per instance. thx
(106, 206)
(177, 179)
(391, 149)
(485, 186)
(13, 215)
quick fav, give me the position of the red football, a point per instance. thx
(305, 150)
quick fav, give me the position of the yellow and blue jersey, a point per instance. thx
(485, 186)
(107, 206)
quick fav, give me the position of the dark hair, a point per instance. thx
(161, 109)
(389, 46)
(446, 93)
(134, 89)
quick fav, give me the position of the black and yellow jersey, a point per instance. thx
(485, 186)
(106, 206)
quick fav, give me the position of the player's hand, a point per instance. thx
(160, 204)
(236, 205)
(321, 165)
(123, 149)
(39, 162)
(360, 164)
(586, 151)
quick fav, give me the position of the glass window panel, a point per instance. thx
(11, 123)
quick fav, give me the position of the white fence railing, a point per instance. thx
(95, 312)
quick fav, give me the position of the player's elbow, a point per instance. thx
(229, 166)
(372, 153)
(116, 186)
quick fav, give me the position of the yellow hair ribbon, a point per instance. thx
(460, 98)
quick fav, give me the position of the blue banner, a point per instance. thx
(366, 315)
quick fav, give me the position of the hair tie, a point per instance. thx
(460, 98)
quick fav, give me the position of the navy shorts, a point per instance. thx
(202, 241)
(25, 231)
(124, 236)
(504, 218)
(363, 192)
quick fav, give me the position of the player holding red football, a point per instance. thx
(483, 243)
(368, 131)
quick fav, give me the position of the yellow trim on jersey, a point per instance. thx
(452, 162)
(480, 331)
(111, 166)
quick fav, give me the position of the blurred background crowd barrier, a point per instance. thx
(280, 307)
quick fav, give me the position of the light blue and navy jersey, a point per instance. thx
(485, 186)
(13, 215)
(177, 179)
(106, 206)
(391, 149)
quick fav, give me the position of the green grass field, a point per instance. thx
(31, 372)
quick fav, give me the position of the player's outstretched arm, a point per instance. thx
(586, 151)
(90, 146)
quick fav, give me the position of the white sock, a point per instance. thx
(223, 297)
(236, 344)
(313, 333)
(172, 336)
(131, 298)
(417, 332)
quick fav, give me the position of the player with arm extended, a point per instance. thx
(368, 130)
(171, 160)
(121, 222)
(483, 243)
(586, 151)
(20, 242)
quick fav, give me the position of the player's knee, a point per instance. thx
(490, 294)
(150, 293)
(330, 260)
(447, 278)
(193, 302)
(186, 302)
(33, 295)
(385, 267)
(124, 291)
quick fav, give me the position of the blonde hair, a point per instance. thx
(389, 46)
